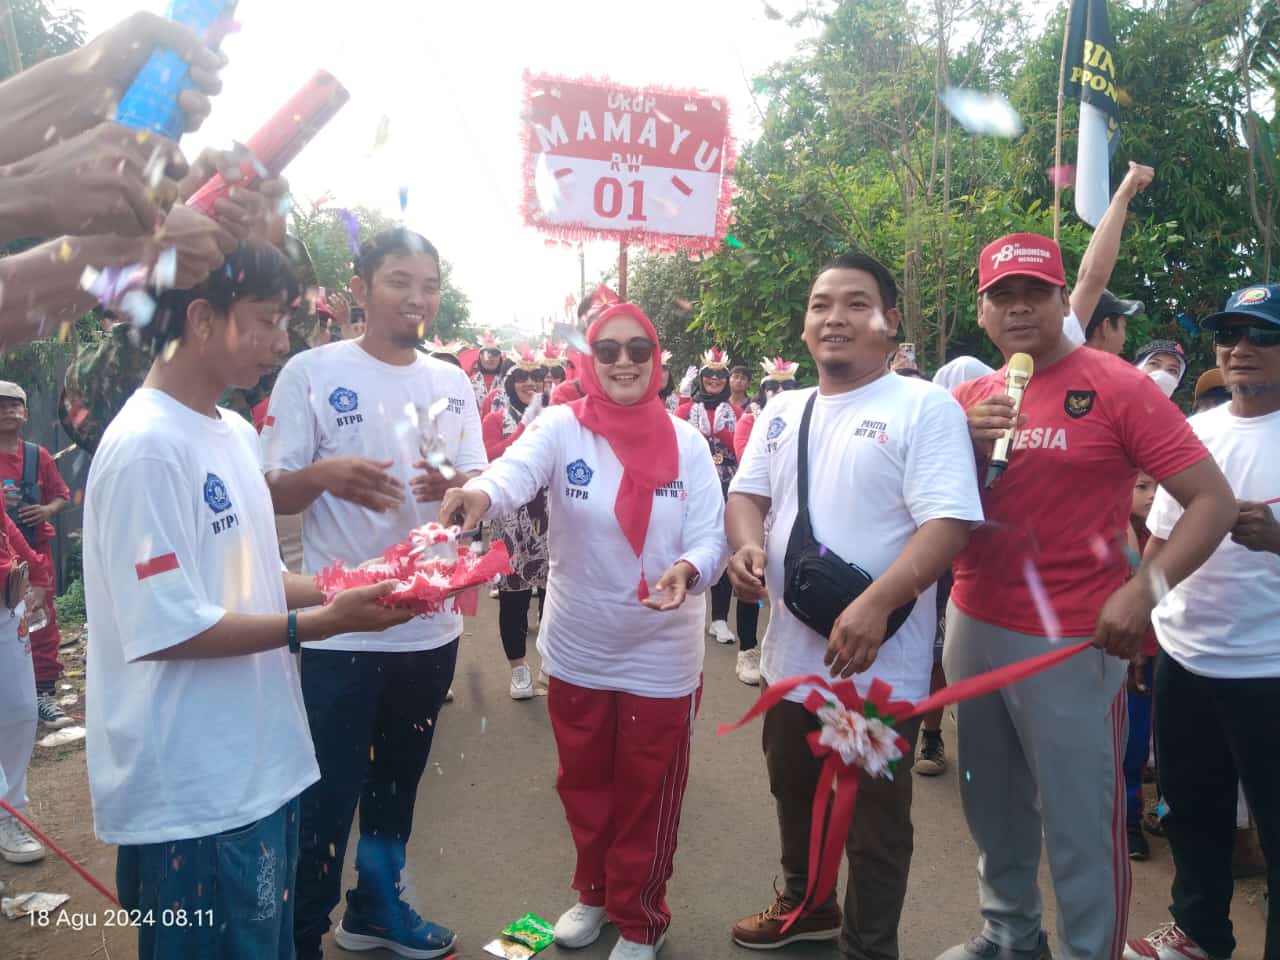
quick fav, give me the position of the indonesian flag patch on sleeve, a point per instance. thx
(156, 566)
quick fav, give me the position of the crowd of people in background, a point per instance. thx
(624, 497)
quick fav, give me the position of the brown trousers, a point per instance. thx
(879, 843)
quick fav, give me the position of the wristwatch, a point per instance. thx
(294, 646)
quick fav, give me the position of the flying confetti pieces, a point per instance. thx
(381, 134)
(770, 13)
(65, 252)
(1040, 596)
(733, 241)
(1063, 176)
(165, 273)
(404, 198)
(352, 226)
(572, 336)
(684, 307)
(110, 284)
(982, 113)
(138, 307)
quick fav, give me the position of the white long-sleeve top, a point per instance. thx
(594, 631)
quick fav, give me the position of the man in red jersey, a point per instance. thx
(1044, 757)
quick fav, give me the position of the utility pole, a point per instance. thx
(10, 39)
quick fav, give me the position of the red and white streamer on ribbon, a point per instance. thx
(856, 735)
(424, 584)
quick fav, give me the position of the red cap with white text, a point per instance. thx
(1021, 255)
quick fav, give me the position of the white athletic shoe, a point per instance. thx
(720, 630)
(580, 925)
(17, 845)
(628, 950)
(521, 683)
(749, 666)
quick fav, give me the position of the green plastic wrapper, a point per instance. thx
(532, 931)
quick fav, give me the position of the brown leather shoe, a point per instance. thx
(763, 931)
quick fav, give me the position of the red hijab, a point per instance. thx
(641, 435)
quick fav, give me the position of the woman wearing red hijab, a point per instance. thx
(635, 536)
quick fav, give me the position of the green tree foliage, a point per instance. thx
(856, 153)
(44, 30)
(324, 230)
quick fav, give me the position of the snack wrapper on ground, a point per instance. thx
(430, 568)
(523, 939)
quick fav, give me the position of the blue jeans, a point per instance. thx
(223, 897)
(372, 715)
(1139, 745)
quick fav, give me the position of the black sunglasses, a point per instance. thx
(775, 386)
(609, 352)
(1258, 336)
(523, 376)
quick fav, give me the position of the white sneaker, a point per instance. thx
(521, 683)
(17, 845)
(749, 666)
(493, 593)
(720, 630)
(627, 950)
(580, 925)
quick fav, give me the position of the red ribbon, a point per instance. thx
(93, 881)
(832, 815)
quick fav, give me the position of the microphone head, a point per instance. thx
(1022, 365)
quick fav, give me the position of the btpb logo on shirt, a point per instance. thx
(579, 475)
(219, 501)
(345, 402)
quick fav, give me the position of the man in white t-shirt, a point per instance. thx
(197, 739)
(346, 442)
(1217, 676)
(885, 493)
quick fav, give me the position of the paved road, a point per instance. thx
(490, 842)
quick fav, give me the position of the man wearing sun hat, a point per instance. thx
(1217, 676)
(1042, 759)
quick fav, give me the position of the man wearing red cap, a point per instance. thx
(1042, 759)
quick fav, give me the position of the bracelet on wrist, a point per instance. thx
(294, 645)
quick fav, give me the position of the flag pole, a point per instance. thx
(622, 269)
(1057, 141)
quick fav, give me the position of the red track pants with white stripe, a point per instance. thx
(624, 764)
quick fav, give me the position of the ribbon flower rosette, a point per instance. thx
(860, 739)
(431, 568)
(857, 736)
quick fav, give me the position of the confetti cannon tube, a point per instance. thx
(151, 102)
(282, 137)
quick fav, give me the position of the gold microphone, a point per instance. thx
(1016, 377)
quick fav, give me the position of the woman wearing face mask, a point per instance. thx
(711, 409)
(524, 531)
(636, 533)
(1164, 362)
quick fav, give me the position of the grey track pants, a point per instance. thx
(1044, 758)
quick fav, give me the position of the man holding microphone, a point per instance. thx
(1044, 755)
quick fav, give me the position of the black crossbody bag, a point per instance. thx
(818, 583)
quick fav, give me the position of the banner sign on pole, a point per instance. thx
(643, 165)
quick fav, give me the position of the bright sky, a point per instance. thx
(448, 76)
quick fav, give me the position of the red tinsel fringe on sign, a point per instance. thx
(650, 240)
(425, 586)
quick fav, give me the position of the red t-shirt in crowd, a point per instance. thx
(52, 486)
(1062, 505)
(567, 392)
